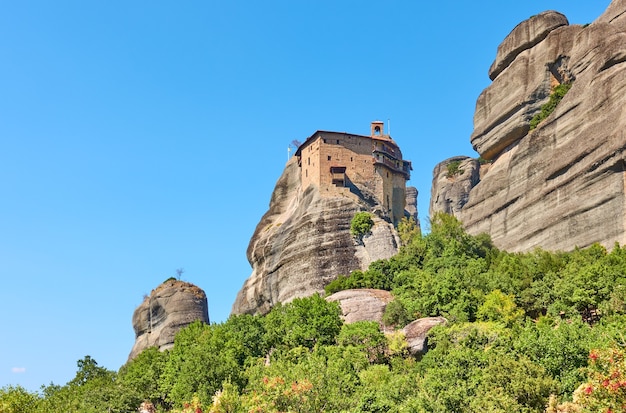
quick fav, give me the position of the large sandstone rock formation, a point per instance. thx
(169, 307)
(369, 305)
(365, 304)
(562, 184)
(303, 242)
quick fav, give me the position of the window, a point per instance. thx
(308, 161)
(329, 157)
(337, 141)
(377, 130)
(306, 173)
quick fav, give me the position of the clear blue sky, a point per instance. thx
(140, 137)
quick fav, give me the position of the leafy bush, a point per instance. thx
(361, 224)
(546, 110)
(396, 315)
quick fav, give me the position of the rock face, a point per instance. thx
(416, 333)
(362, 304)
(562, 184)
(411, 204)
(450, 191)
(169, 307)
(303, 242)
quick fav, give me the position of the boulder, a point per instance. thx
(614, 14)
(169, 307)
(416, 333)
(362, 304)
(524, 36)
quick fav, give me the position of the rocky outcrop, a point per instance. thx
(450, 189)
(362, 304)
(526, 35)
(416, 333)
(169, 307)
(562, 184)
(303, 242)
(411, 203)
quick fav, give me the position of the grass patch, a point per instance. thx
(454, 168)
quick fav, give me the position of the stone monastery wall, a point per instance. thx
(338, 163)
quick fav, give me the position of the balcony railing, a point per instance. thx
(386, 150)
(395, 165)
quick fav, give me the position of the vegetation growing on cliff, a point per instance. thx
(527, 332)
(546, 109)
(361, 224)
(454, 169)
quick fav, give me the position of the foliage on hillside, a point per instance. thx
(532, 332)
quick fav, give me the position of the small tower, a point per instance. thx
(377, 128)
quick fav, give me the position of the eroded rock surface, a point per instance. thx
(362, 304)
(169, 307)
(450, 191)
(303, 242)
(524, 36)
(562, 184)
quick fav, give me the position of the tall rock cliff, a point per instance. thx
(562, 184)
(303, 242)
(169, 307)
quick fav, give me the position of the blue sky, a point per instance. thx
(141, 137)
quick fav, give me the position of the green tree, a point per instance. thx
(559, 347)
(303, 322)
(142, 375)
(500, 307)
(16, 399)
(361, 224)
(366, 336)
(408, 230)
(321, 380)
(203, 357)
